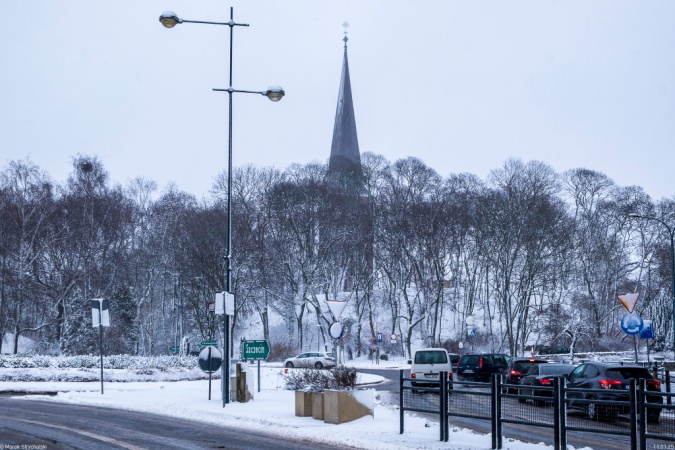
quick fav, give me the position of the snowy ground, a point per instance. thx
(271, 412)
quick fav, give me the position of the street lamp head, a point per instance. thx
(274, 93)
(169, 19)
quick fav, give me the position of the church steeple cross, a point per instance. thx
(345, 38)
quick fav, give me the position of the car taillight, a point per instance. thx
(607, 384)
(480, 362)
(515, 372)
(412, 376)
(328, 359)
(450, 375)
(545, 381)
(655, 383)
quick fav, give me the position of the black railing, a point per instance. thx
(637, 413)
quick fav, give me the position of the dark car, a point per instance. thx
(612, 382)
(517, 368)
(553, 349)
(481, 366)
(454, 360)
(542, 375)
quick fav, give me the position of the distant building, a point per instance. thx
(345, 174)
(344, 166)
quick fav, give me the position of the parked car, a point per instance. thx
(516, 369)
(427, 364)
(481, 366)
(454, 359)
(553, 349)
(542, 375)
(611, 381)
(318, 360)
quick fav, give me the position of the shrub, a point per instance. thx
(158, 363)
(310, 380)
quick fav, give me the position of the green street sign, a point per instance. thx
(208, 343)
(255, 350)
(174, 349)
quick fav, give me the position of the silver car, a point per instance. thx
(318, 360)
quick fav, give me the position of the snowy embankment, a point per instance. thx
(271, 412)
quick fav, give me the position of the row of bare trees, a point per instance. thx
(536, 256)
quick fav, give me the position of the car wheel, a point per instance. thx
(592, 410)
(318, 365)
(289, 364)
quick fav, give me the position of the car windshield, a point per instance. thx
(555, 369)
(431, 357)
(625, 373)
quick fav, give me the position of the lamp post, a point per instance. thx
(671, 231)
(169, 19)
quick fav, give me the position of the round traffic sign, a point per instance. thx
(336, 331)
(631, 323)
(461, 344)
(209, 359)
(470, 320)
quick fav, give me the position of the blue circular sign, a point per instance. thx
(631, 323)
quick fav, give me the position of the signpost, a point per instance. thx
(224, 306)
(209, 362)
(204, 344)
(174, 350)
(100, 317)
(255, 350)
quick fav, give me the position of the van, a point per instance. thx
(427, 364)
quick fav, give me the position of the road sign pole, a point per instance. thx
(100, 329)
(209, 373)
(258, 375)
(226, 360)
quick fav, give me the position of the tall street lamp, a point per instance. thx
(169, 19)
(671, 230)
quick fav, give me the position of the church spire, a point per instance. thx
(345, 159)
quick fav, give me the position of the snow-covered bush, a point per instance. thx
(310, 380)
(157, 363)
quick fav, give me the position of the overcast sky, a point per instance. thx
(462, 85)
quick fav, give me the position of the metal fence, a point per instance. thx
(641, 415)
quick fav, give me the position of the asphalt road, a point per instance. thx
(40, 425)
(389, 393)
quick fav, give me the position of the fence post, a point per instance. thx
(643, 414)
(443, 398)
(556, 414)
(667, 372)
(562, 412)
(493, 413)
(400, 400)
(633, 414)
(497, 410)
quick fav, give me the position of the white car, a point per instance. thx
(318, 360)
(426, 366)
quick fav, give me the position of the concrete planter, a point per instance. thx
(303, 404)
(317, 405)
(345, 406)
